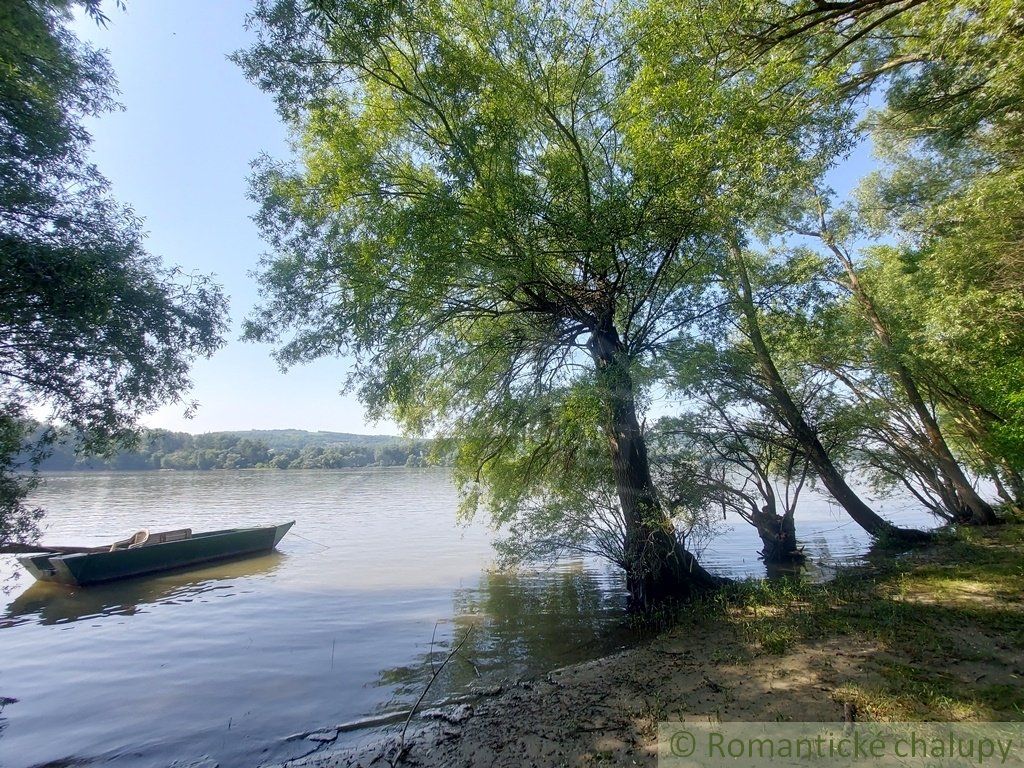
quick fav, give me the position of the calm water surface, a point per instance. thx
(339, 625)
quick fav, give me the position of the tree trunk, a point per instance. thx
(1013, 479)
(778, 537)
(657, 564)
(998, 482)
(793, 417)
(971, 508)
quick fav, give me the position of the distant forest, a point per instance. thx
(254, 449)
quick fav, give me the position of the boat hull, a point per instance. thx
(98, 567)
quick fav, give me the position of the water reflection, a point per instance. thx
(788, 570)
(829, 541)
(544, 615)
(48, 603)
(514, 623)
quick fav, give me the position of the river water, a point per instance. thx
(374, 584)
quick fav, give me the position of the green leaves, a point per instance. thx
(748, 130)
(91, 326)
(483, 188)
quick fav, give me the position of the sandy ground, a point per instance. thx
(605, 712)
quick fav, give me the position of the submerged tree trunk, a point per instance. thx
(776, 531)
(791, 414)
(970, 507)
(778, 536)
(657, 564)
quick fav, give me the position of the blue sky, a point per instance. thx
(179, 153)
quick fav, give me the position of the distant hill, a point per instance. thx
(251, 449)
(284, 439)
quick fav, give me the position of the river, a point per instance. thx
(343, 623)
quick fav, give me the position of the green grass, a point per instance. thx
(939, 617)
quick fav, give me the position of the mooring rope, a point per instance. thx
(311, 541)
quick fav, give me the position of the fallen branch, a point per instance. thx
(451, 655)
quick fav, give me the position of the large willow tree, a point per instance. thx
(484, 215)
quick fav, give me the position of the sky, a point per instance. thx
(179, 154)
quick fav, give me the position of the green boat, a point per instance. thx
(145, 553)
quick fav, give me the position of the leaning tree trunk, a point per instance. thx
(1013, 478)
(793, 417)
(657, 564)
(971, 507)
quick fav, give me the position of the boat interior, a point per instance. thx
(144, 538)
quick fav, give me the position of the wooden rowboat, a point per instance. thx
(146, 553)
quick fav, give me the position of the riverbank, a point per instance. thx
(936, 634)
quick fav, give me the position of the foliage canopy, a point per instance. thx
(92, 327)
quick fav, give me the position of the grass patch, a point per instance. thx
(941, 629)
(913, 693)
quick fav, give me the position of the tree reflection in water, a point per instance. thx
(520, 623)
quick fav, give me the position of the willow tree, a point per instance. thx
(465, 221)
(735, 459)
(795, 124)
(911, 407)
(947, 73)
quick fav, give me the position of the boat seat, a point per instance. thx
(137, 539)
(181, 534)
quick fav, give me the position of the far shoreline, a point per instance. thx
(212, 470)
